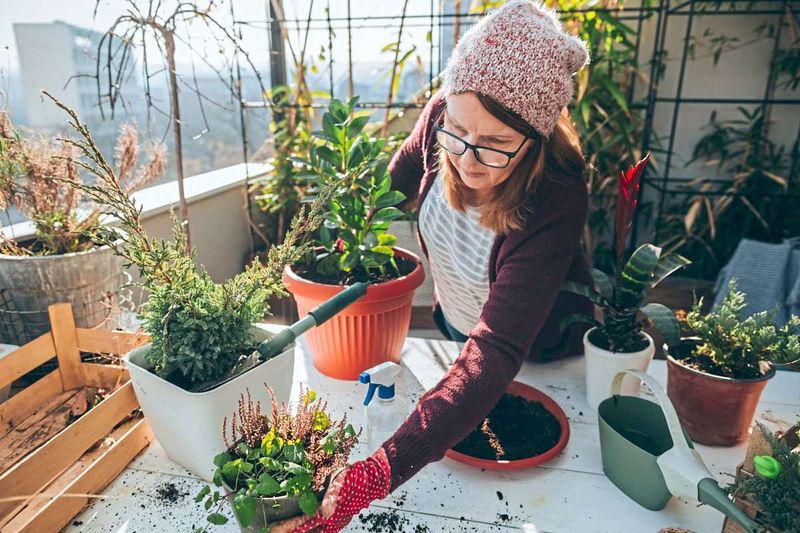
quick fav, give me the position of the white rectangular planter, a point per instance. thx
(188, 425)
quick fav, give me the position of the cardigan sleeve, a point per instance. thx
(409, 163)
(531, 268)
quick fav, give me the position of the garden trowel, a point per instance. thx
(647, 455)
(278, 343)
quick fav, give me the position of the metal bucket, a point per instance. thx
(89, 280)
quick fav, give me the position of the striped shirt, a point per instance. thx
(458, 250)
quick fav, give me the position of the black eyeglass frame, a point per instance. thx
(476, 147)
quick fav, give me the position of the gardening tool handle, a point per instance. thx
(673, 422)
(332, 306)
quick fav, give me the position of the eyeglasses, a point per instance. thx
(491, 157)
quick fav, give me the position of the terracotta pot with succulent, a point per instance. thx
(202, 332)
(715, 376)
(618, 342)
(353, 244)
(62, 261)
(767, 484)
(277, 465)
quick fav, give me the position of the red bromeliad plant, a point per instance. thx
(621, 297)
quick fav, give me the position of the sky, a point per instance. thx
(80, 13)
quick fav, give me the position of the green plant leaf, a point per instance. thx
(222, 458)
(663, 319)
(296, 469)
(389, 199)
(667, 264)
(636, 276)
(267, 486)
(245, 508)
(583, 290)
(308, 503)
(329, 265)
(603, 283)
(205, 491)
(270, 464)
(356, 125)
(387, 214)
(387, 239)
(294, 453)
(217, 519)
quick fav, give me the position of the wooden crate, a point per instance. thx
(52, 465)
(757, 445)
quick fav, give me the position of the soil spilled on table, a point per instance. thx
(515, 429)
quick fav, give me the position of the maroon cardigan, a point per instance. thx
(520, 318)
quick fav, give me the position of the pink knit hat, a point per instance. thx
(520, 56)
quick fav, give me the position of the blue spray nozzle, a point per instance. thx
(380, 378)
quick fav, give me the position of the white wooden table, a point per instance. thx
(569, 494)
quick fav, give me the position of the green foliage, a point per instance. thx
(354, 235)
(736, 347)
(199, 328)
(759, 202)
(604, 113)
(281, 191)
(778, 498)
(621, 299)
(285, 454)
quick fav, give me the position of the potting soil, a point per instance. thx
(405, 266)
(523, 429)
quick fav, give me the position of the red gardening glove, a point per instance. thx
(349, 492)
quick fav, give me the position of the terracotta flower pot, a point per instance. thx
(714, 410)
(367, 333)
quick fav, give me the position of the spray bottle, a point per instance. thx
(388, 411)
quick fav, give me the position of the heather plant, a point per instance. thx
(730, 345)
(199, 329)
(282, 453)
(35, 176)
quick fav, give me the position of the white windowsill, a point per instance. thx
(160, 198)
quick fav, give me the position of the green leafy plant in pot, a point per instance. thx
(277, 465)
(201, 331)
(353, 244)
(767, 483)
(618, 342)
(716, 375)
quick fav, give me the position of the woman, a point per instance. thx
(496, 169)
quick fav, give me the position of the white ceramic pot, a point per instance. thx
(603, 365)
(188, 425)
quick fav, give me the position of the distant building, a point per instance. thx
(60, 58)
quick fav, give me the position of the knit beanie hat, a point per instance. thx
(520, 56)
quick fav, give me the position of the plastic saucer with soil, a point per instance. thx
(526, 428)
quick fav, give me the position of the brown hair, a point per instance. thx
(552, 157)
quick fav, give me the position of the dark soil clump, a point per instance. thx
(516, 429)
(169, 492)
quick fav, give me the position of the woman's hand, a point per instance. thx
(350, 491)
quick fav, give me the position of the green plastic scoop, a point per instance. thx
(278, 343)
(648, 456)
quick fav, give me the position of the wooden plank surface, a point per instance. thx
(59, 510)
(41, 466)
(35, 430)
(105, 376)
(28, 401)
(25, 358)
(113, 342)
(65, 338)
